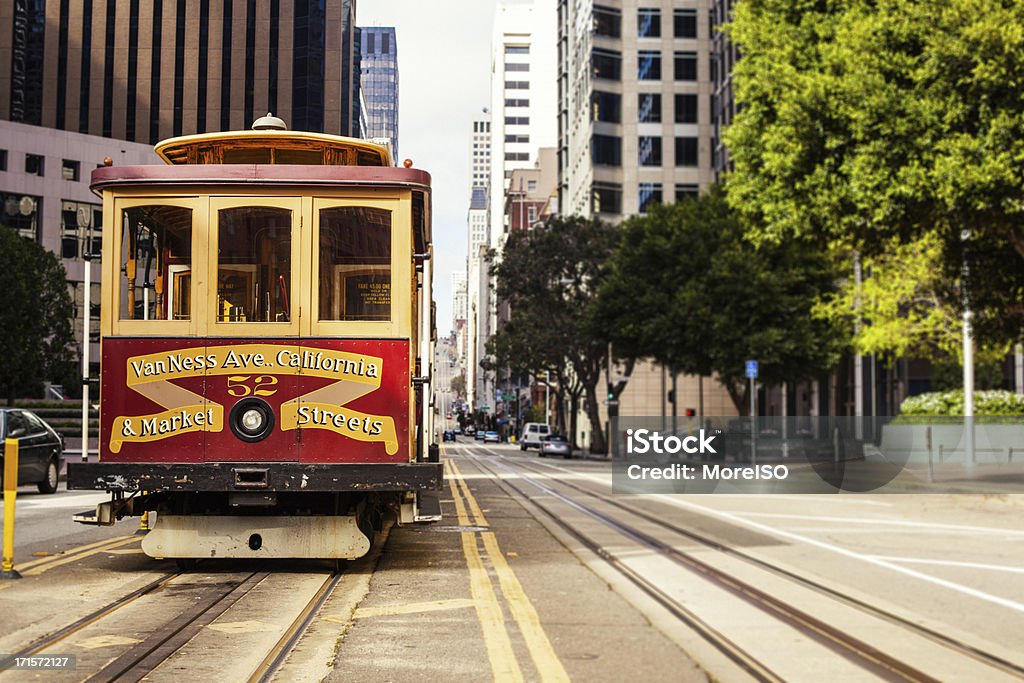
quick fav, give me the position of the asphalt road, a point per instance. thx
(538, 572)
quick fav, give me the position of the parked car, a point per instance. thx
(555, 444)
(40, 448)
(448, 435)
(533, 433)
(491, 437)
(479, 435)
(470, 431)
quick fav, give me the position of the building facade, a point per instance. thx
(478, 241)
(153, 69)
(45, 196)
(379, 82)
(635, 128)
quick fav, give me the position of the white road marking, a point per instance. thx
(953, 563)
(888, 522)
(870, 559)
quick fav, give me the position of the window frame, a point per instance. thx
(111, 304)
(216, 328)
(401, 268)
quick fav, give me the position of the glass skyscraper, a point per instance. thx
(379, 82)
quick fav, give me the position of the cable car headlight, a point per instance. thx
(251, 419)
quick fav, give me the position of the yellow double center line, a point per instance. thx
(47, 563)
(504, 665)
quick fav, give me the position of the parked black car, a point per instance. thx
(40, 449)
(448, 435)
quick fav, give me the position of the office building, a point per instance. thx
(379, 82)
(153, 69)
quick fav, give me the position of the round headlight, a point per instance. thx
(251, 419)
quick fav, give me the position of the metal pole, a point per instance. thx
(858, 360)
(931, 466)
(753, 421)
(968, 390)
(10, 493)
(1018, 368)
(87, 314)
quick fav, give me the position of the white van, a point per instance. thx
(533, 433)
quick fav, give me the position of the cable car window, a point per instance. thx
(254, 265)
(156, 263)
(247, 155)
(355, 263)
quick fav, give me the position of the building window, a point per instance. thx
(648, 65)
(648, 108)
(531, 213)
(607, 21)
(649, 193)
(3, 159)
(649, 151)
(517, 49)
(81, 226)
(607, 64)
(607, 106)
(517, 103)
(686, 190)
(517, 156)
(34, 164)
(69, 169)
(686, 66)
(531, 185)
(686, 108)
(686, 152)
(517, 85)
(517, 67)
(20, 212)
(517, 138)
(606, 198)
(648, 22)
(684, 22)
(517, 120)
(606, 150)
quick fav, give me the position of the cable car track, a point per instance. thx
(941, 638)
(853, 648)
(211, 601)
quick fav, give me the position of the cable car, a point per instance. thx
(266, 336)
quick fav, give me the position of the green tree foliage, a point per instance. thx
(36, 340)
(688, 289)
(867, 122)
(549, 277)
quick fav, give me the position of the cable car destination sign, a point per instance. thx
(308, 386)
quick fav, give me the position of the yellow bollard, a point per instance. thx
(143, 523)
(10, 493)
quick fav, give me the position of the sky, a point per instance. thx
(444, 52)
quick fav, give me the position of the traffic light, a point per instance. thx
(690, 412)
(671, 396)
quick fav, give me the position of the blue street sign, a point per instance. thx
(752, 368)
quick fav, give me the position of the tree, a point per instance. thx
(549, 277)
(865, 123)
(901, 306)
(35, 316)
(458, 384)
(689, 290)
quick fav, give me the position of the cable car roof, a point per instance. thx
(271, 146)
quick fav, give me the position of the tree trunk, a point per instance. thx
(597, 440)
(740, 398)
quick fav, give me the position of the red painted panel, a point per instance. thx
(361, 418)
(332, 400)
(136, 401)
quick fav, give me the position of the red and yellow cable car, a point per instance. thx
(266, 338)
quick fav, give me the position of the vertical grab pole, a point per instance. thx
(425, 300)
(7, 570)
(85, 358)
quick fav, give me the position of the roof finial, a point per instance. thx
(269, 122)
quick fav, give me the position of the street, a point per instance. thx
(538, 572)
